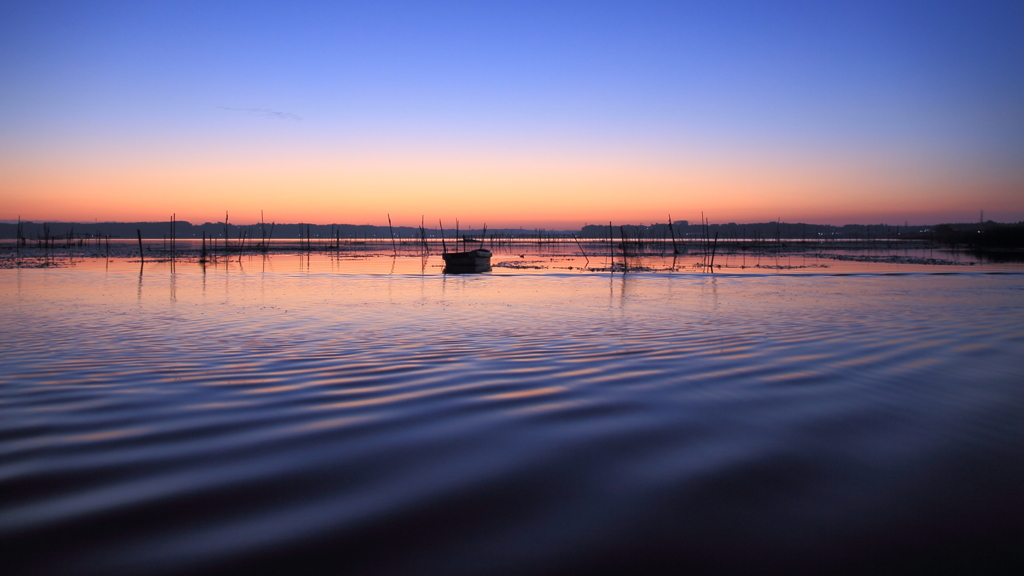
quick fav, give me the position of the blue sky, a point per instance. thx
(925, 90)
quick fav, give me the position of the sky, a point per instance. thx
(536, 114)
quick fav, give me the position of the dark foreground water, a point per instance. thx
(290, 422)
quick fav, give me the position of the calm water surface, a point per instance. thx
(302, 419)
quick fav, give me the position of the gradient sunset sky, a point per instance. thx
(550, 114)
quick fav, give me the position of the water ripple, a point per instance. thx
(558, 424)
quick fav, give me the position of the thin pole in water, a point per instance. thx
(611, 249)
(581, 249)
(392, 230)
(672, 229)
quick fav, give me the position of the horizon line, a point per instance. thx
(520, 227)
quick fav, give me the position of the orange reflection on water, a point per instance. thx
(528, 393)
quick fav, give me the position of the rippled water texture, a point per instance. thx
(295, 421)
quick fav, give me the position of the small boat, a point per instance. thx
(467, 262)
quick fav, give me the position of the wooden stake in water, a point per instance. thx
(423, 236)
(704, 243)
(142, 259)
(392, 230)
(611, 249)
(581, 249)
(671, 229)
(713, 247)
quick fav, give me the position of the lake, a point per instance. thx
(373, 416)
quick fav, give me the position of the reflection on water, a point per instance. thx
(285, 415)
(563, 257)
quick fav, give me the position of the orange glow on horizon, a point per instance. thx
(506, 190)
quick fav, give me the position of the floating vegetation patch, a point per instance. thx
(30, 262)
(521, 265)
(893, 259)
(785, 266)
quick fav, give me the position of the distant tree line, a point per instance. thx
(985, 236)
(761, 230)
